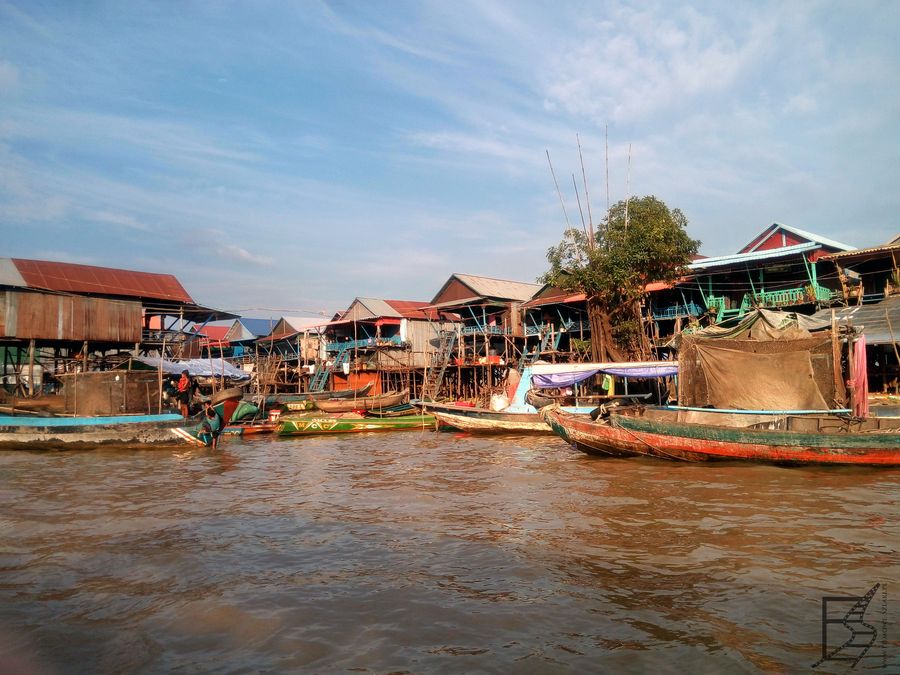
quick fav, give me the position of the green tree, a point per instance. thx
(643, 241)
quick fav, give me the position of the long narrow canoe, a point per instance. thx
(386, 400)
(313, 423)
(593, 438)
(278, 399)
(784, 439)
(484, 420)
(76, 433)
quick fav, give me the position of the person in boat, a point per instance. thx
(184, 391)
(212, 425)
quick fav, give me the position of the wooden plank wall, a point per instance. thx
(29, 315)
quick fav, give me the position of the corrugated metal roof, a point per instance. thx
(375, 306)
(214, 332)
(499, 288)
(9, 274)
(872, 319)
(476, 300)
(301, 323)
(725, 260)
(555, 300)
(862, 252)
(73, 278)
(410, 309)
(257, 327)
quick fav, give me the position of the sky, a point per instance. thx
(283, 158)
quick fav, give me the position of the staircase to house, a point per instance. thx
(439, 365)
(529, 357)
(322, 375)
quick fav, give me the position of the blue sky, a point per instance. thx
(296, 155)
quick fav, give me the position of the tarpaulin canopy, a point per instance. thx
(196, 367)
(760, 324)
(561, 377)
(553, 380)
(644, 372)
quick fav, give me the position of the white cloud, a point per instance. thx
(641, 62)
(242, 255)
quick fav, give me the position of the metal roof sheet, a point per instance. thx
(880, 321)
(410, 309)
(562, 299)
(376, 308)
(301, 323)
(9, 274)
(862, 252)
(725, 260)
(73, 278)
(499, 288)
(258, 327)
(214, 332)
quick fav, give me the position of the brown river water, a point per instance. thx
(434, 552)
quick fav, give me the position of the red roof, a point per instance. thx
(215, 333)
(72, 278)
(556, 299)
(410, 309)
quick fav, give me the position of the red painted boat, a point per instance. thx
(777, 438)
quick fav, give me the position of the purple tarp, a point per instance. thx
(568, 379)
(649, 371)
(561, 379)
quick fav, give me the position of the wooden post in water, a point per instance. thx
(31, 368)
(162, 355)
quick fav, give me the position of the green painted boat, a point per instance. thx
(342, 423)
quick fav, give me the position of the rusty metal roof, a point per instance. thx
(73, 278)
(863, 253)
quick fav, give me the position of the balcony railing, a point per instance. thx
(484, 330)
(570, 326)
(366, 343)
(786, 297)
(676, 311)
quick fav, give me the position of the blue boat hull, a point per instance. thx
(76, 433)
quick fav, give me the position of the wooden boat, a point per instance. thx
(593, 438)
(380, 401)
(230, 394)
(313, 423)
(251, 428)
(77, 433)
(521, 415)
(472, 419)
(779, 437)
(282, 399)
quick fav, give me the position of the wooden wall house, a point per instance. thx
(490, 336)
(385, 342)
(780, 268)
(60, 317)
(556, 326)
